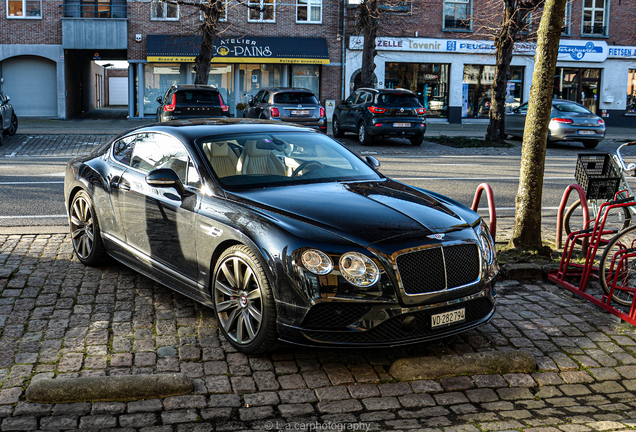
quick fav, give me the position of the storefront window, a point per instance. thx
(428, 81)
(254, 77)
(306, 76)
(631, 91)
(477, 89)
(578, 85)
(158, 77)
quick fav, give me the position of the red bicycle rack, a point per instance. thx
(594, 235)
(492, 213)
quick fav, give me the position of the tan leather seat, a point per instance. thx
(259, 161)
(222, 158)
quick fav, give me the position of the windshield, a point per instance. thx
(570, 107)
(198, 97)
(399, 99)
(295, 98)
(261, 160)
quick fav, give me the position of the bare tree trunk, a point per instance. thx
(368, 21)
(504, 43)
(211, 14)
(527, 230)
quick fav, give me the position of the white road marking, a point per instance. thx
(31, 182)
(33, 217)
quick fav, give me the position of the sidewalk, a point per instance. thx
(60, 319)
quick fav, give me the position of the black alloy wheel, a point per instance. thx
(14, 125)
(337, 132)
(363, 135)
(85, 234)
(243, 301)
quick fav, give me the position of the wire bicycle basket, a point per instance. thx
(598, 175)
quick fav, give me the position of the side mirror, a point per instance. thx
(166, 178)
(8, 98)
(159, 99)
(250, 102)
(374, 162)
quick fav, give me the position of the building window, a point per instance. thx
(567, 20)
(164, 11)
(477, 89)
(595, 17)
(95, 8)
(261, 10)
(457, 15)
(309, 11)
(24, 9)
(631, 92)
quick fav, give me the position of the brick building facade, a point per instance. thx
(438, 48)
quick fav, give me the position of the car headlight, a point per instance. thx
(317, 262)
(486, 243)
(358, 269)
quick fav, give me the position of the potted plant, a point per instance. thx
(239, 109)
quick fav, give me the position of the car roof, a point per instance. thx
(393, 90)
(189, 130)
(194, 87)
(286, 89)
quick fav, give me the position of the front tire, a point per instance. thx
(14, 125)
(85, 233)
(363, 135)
(618, 267)
(243, 301)
(337, 132)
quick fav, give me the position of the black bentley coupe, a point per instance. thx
(284, 232)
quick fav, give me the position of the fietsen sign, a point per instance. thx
(569, 50)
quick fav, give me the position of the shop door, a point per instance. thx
(590, 89)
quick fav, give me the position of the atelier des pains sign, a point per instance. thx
(569, 50)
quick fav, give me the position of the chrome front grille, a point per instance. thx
(439, 268)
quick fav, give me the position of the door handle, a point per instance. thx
(122, 184)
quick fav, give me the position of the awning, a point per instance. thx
(241, 49)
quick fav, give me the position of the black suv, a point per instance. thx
(191, 101)
(288, 104)
(381, 113)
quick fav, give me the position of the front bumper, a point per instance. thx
(387, 325)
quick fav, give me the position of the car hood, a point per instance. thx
(364, 212)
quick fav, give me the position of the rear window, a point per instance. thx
(295, 98)
(399, 99)
(569, 107)
(206, 97)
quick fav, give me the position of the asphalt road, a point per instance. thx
(32, 188)
(32, 191)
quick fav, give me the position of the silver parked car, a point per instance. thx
(569, 121)
(8, 119)
(288, 104)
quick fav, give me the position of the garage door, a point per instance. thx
(31, 82)
(118, 91)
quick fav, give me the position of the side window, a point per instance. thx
(257, 98)
(123, 148)
(153, 151)
(265, 97)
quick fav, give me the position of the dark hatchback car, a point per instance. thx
(288, 104)
(188, 101)
(375, 113)
(285, 232)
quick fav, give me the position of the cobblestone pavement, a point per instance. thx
(61, 319)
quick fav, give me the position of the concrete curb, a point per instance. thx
(109, 388)
(434, 368)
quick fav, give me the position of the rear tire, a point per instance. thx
(337, 132)
(14, 125)
(614, 256)
(590, 144)
(619, 218)
(417, 140)
(363, 135)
